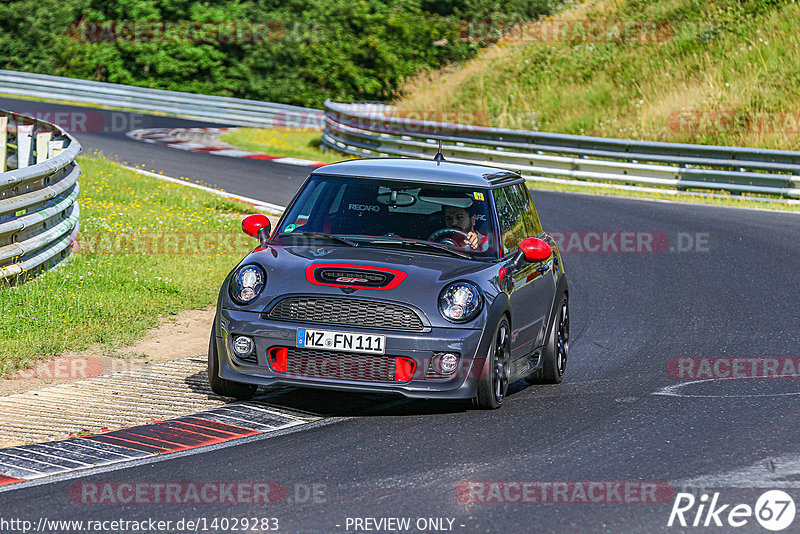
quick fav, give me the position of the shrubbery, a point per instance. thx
(341, 49)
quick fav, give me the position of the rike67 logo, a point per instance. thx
(774, 510)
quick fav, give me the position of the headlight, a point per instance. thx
(460, 302)
(247, 283)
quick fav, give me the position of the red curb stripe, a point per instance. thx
(160, 437)
(317, 164)
(192, 433)
(5, 480)
(164, 436)
(138, 445)
(209, 431)
(174, 438)
(169, 439)
(167, 445)
(207, 149)
(216, 425)
(261, 156)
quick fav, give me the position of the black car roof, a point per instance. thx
(420, 170)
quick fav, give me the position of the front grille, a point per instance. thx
(330, 364)
(351, 312)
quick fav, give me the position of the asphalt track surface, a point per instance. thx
(734, 295)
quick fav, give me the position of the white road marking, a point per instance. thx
(673, 390)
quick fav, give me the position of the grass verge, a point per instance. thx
(285, 143)
(148, 249)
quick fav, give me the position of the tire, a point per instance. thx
(554, 357)
(220, 386)
(493, 384)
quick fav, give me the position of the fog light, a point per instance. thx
(242, 346)
(448, 363)
(443, 365)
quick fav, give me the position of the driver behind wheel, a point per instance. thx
(460, 219)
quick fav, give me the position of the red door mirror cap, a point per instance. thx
(253, 223)
(535, 249)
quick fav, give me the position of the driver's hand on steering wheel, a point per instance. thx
(473, 240)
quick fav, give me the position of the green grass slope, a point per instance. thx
(724, 72)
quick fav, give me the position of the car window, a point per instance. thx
(367, 207)
(511, 212)
(305, 205)
(532, 222)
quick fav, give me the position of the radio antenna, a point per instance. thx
(439, 157)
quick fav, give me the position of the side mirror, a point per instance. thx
(257, 226)
(535, 250)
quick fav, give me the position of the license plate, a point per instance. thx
(340, 341)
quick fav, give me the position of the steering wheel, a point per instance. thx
(449, 236)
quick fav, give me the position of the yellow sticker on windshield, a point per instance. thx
(478, 196)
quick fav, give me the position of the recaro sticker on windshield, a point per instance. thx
(364, 207)
(290, 228)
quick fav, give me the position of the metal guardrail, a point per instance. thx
(377, 131)
(236, 111)
(38, 195)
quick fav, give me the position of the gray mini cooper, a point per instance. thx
(425, 278)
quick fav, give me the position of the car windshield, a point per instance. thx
(438, 219)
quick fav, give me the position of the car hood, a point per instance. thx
(423, 275)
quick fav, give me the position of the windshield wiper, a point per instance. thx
(323, 235)
(424, 244)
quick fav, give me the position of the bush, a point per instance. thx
(323, 48)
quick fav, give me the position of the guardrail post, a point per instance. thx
(54, 148)
(24, 145)
(3, 142)
(42, 141)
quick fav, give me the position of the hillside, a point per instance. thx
(726, 72)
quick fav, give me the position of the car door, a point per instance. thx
(546, 282)
(531, 289)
